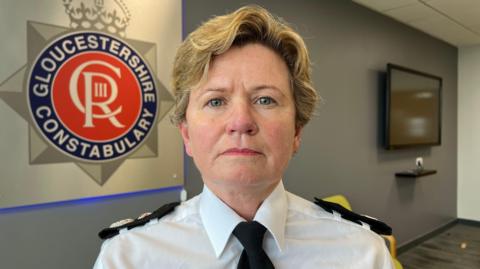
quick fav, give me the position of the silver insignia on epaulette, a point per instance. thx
(120, 223)
(144, 215)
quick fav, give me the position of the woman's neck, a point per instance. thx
(245, 201)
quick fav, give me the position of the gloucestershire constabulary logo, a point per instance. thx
(92, 96)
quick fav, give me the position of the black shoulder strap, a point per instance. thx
(157, 214)
(375, 225)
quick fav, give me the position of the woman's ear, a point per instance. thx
(297, 139)
(183, 126)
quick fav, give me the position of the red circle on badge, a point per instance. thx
(96, 96)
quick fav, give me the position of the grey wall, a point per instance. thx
(350, 46)
(341, 153)
(65, 235)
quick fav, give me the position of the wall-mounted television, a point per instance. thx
(412, 108)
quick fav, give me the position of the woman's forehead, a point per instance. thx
(254, 65)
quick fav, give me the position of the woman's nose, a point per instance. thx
(241, 120)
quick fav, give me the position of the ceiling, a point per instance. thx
(454, 21)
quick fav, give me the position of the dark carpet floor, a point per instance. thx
(456, 248)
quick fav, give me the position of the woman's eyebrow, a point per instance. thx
(267, 87)
(209, 90)
(254, 89)
(215, 90)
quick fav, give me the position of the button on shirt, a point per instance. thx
(198, 234)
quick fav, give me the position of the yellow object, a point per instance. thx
(390, 239)
(339, 199)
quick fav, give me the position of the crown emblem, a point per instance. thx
(95, 14)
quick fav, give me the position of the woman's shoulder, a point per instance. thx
(167, 214)
(318, 217)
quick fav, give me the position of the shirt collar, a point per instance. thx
(218, 219)
(272, 214)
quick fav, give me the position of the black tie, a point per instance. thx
(250, 234)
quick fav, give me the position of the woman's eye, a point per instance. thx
(265, 100)
(215, 102)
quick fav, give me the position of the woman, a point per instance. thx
(244, 93)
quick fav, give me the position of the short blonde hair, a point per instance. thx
(249, 24)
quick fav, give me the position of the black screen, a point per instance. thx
(413, 108)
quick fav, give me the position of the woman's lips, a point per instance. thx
(241, 152)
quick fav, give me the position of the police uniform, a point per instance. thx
(198, 234)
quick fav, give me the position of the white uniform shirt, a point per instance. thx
(198, 234)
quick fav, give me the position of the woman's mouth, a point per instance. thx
(241, 152)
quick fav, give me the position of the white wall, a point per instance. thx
(469, 133)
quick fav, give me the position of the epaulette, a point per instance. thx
(128, 224)
(375, 225)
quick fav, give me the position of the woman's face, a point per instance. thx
(240, 123)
